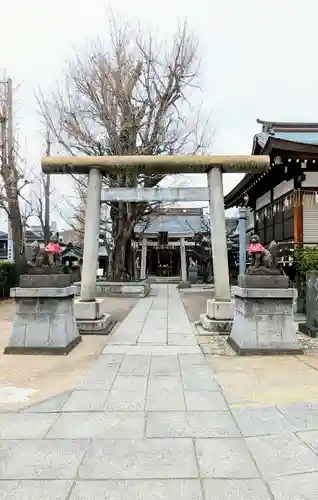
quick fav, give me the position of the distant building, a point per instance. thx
(164, 232)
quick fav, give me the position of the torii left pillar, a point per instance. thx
(220, 310)
(89, 317)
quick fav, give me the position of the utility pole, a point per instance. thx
(47, 193)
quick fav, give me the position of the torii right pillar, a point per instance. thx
(220, 310)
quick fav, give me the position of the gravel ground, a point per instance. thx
(195, 303)
(28, 379)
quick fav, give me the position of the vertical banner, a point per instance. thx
(10, 242)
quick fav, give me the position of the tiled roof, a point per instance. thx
(298, 137)
(174, 224)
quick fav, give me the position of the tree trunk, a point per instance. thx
(17, 234)
(119, 260)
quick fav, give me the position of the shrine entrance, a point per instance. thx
(212, 166)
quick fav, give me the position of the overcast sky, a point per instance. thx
(258, 58)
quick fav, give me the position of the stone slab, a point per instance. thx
(50, 405)
(99, 378)
(165, 393)
(79, 401)
(225, 458)
(87, 310)
(236, 489)
(254, 281)
(25, 426)
(35, 490)
(164, 366)
(42, 292)
(199, 380)
(101, 326)
(195, 424)
(176, 489)
(135, 366)
(311, 439)
(303, 416)
(93, 425)
(220, 310)
(179, 339)
(139, 458)
(127, 394)
(205, 401)
(282, 454)
(298, 487)
(45, 280)
(167, 350)
(261, 421)
(41, 459)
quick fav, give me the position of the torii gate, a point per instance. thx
(213, 166)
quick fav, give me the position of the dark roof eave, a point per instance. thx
(230, 198)
(271, 144)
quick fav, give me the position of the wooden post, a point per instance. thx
(298, 218)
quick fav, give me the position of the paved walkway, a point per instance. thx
(150, 422)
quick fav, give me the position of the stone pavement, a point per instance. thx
(150, 422)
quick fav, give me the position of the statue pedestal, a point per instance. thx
(44, 320)
(263, 318)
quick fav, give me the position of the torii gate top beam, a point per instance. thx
(149, 165)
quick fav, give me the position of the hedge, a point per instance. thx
(8, 278)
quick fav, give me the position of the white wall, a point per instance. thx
(311, 179)
(263, 200)
(283, 188)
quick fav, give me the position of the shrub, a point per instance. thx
(8, 278)
(306, 259)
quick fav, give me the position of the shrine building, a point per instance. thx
(283, 200)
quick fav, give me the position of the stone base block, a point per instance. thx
(44, 350)
(184, 284)
(44, 321)
(311, 331)
(100, 326)
(263, 322)
(138, 289)
(269, 351)
(215, 325)
(220, 310)
(255, 281)
(87, 310)
(45, 280)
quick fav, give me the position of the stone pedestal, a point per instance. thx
(219, 317)
(90, 320)
(44, 322)
(193, 274)
(263, 320)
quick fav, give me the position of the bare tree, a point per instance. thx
(12, 177)
(130, 98)
(40, 196)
